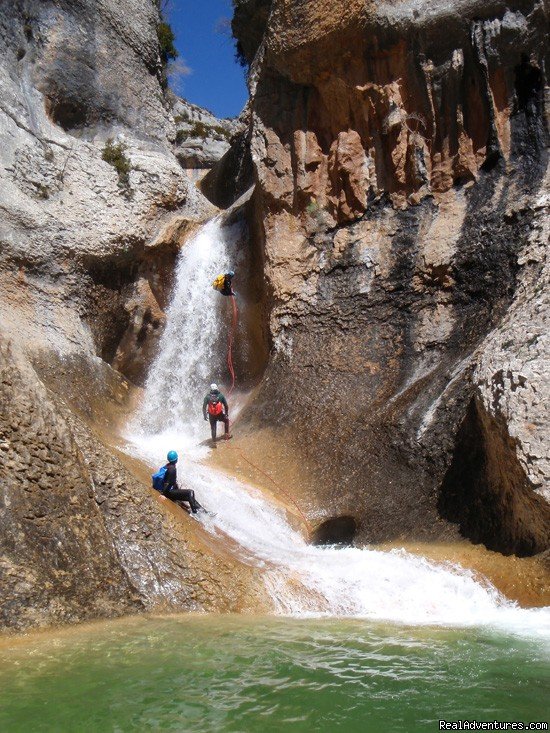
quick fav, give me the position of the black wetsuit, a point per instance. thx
(215, 419)
(172, 491)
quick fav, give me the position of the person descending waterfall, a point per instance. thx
(170, 488)
(223, 283)
(216, 409)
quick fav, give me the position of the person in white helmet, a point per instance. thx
(216, 409)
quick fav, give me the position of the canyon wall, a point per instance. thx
(94, 207)
(395, 293)
(399, 161)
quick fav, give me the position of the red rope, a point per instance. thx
(232, 372)
(277, 486)
(230, 344)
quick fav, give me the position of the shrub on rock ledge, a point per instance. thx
(115, 155)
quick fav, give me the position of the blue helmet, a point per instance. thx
(172, 456)
(231, 273)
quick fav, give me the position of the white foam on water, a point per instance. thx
(302, 580)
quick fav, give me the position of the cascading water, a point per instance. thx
(301, 579)
(192, 348)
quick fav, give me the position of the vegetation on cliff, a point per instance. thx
(115, 154)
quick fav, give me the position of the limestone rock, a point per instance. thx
(513, 374)
(58, 561)
(82, 537)
(391, 144)
(202, 139)
(87, 249)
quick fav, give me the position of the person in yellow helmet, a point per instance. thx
(223, 283)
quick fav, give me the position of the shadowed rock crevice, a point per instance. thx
(110, 288)
(335, 531)
(68, 114)
(486, 493)
(529, 87)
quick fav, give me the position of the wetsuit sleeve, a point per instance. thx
(227, 289)
(170, 478)
(224, 403)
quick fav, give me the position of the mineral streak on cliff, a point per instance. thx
(399, 159)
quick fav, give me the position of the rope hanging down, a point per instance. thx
(230, 344)
(278, 486)
(230, 340)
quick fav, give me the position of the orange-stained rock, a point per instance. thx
(399, 150)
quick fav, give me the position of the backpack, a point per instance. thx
(215, 408)
(219, 282)
(158, 478)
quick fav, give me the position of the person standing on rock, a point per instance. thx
(216, 409)
(170, 488)
(223, 283)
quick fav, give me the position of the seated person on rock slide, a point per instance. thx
(171, 489)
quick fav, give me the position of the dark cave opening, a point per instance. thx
(67, 113)
(335, 531)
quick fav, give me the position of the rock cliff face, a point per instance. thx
(78, 231)
(93, 209)
(397, 274)
(201, 138)
(399, 160)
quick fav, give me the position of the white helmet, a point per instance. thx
(213, 387)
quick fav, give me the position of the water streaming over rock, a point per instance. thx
(192, 348)
(302, 579)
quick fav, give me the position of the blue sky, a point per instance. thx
(203, 39)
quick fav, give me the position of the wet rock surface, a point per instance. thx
(83, 535)
(87, 254)
(399, 159)
(58, 562)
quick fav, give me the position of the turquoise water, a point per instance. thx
(228, 673)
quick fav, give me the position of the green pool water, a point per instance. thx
(229, 673)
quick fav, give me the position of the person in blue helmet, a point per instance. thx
(171, 490)
(223, 283)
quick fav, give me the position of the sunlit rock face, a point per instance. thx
(75, 237)
(399, 160)
(201, 137)
(86, 266)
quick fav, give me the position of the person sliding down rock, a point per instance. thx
(223, 283)
(216, 406)
(170, 488)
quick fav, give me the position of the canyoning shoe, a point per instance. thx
(227, 437)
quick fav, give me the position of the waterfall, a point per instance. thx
(301, 579)
(192, 349)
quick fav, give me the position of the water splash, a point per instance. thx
(302, 580)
